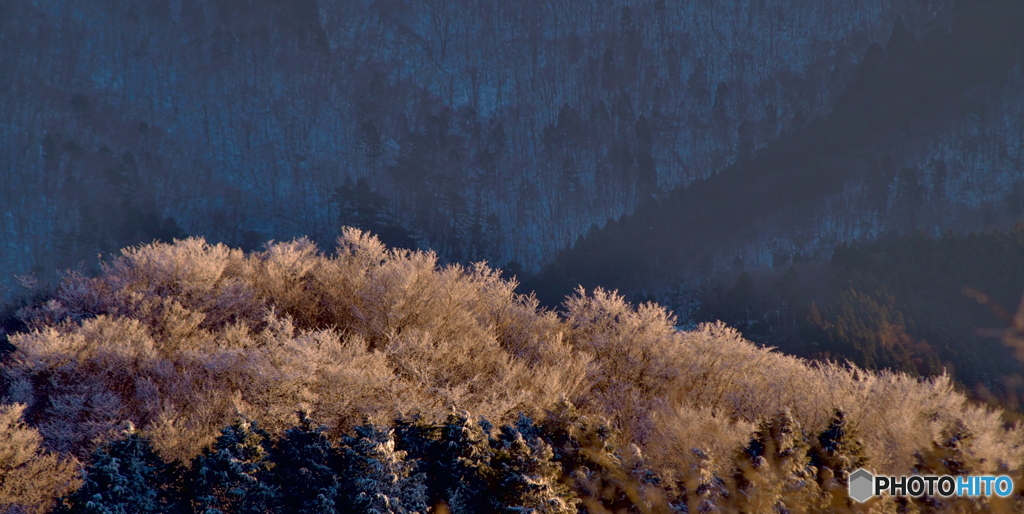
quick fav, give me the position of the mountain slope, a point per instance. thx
(491, 131)
(869, 166)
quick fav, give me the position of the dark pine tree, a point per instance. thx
(303, 471)
(837, 452)
(528, 479)
(375, 477)
(233, 475)
(456, 458)
(123, 477)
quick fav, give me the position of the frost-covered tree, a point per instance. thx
(302, 469)
(377, 478)
(612, 478)
(178, 335)
(952, 454)
(774, 468)
(233, 475)
(837, 451)
(528, 479)
(700, 489)
(123, 477)
(456, 457)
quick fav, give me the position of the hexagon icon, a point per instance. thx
(862, 483)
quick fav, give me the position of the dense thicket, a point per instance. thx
(180, 339)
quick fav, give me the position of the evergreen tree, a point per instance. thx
(232, 477)
(837, 451)
(302, 469)
(951, 455)
(527, 477)
(123, 477)
(616, 479)
(456, 458)
(774, 468)
(778, 442)
(700, 489)
(377, 478)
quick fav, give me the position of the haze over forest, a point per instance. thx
(843, 181)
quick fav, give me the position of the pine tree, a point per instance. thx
(951, 455)
(232, 477)
(617, 479)
(377, 478)
(837, 451)
(700, 489)
(302, 469)
(528, 478)
(774, 468)
(122, 477)
(835, 454)
(456, 458)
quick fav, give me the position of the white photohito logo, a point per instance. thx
(864, 485)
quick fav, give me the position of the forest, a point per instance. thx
(496, 131)
(904, 149)
(187, 377)
(404, 256)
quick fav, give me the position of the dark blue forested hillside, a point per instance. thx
(484, 130)
(734, 250)
(926, 136)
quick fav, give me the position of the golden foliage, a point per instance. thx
(30, 478)
(180, 337)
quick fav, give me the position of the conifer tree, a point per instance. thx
(617, 479)
(951, 455)
(774, 468)
(302, 469)
(700, 489)
(232, 477)
(122, 477)
(527, 477)
(570, 433)
(837, 451)
(456, 458)
(376, 477)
